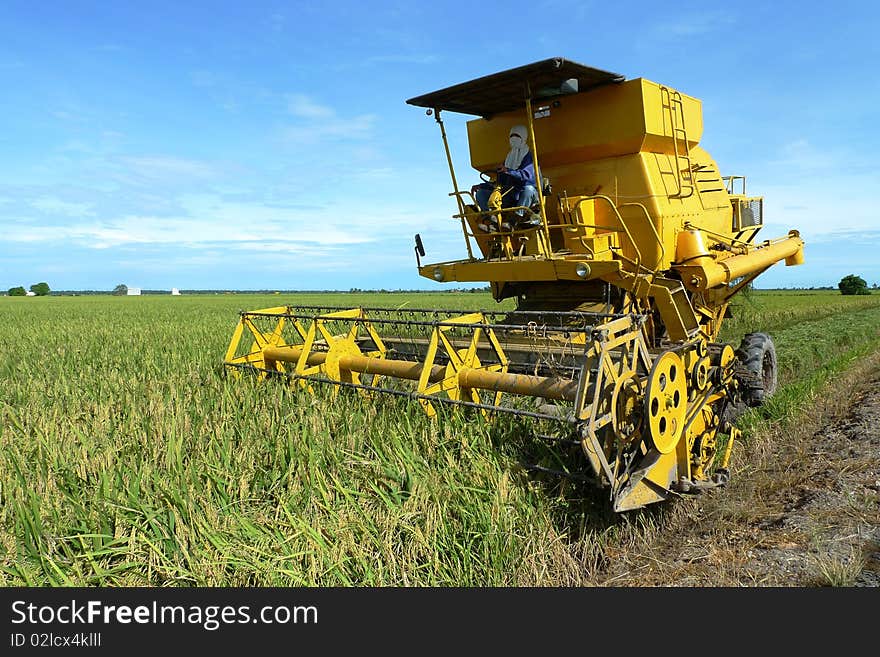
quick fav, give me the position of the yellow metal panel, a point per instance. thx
(612, 120)
(652, 487)
(518, 270)
(658, 118)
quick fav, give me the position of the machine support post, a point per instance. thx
(539, 182)
(457, 194)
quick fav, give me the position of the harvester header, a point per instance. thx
(622, 260)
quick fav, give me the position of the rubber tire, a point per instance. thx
(757, 354)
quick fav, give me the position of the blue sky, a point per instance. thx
(268, 145)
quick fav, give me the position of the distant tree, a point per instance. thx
(120, 290)
(40, 289)
(853, 284)
(17, 291)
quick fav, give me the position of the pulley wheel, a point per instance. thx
(666, 401)
(700, 374)
(626, 409)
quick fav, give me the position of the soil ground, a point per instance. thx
(802, 508)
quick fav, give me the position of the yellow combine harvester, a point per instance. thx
(620, 288)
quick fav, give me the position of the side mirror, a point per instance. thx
(420, 250)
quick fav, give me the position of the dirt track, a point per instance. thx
(802, 510)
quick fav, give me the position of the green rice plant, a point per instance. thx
(127, 457)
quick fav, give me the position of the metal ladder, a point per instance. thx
(671, 100)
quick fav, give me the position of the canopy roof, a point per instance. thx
(507, 90)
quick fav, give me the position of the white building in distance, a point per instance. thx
(175, 292)
(134, 292)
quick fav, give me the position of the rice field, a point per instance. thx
(128, 458)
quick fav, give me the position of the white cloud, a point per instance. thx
(305, 107)
(803, 156)
(56, 206)
(797, 186)
(378, 173)
(697, 24)
(318, 122)
(195, 232)
(288, 248)
(163, 167)
(208, 220)
(359, 127)
(402, 59)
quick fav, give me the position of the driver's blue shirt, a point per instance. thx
(521, 176)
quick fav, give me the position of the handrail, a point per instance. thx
(620, 218)
(482, 213)
(624, 227)
(674, 98)
(654, 230)
(729, 183)
(463, 210)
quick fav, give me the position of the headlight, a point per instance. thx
(582, 269)
(438, 274)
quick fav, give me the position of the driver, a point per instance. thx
(517, 179)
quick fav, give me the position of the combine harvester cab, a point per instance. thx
(620, 288)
